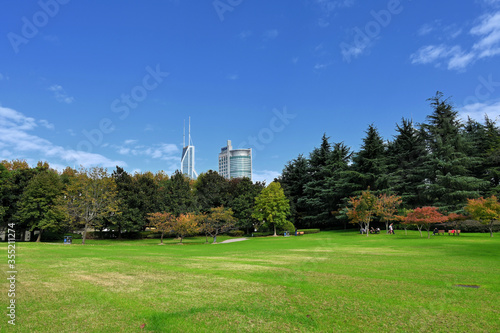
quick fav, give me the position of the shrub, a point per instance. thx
(50, 236)
(73, 235)
(236, 233)
(288, 226)
(310, 231)
(261, 234)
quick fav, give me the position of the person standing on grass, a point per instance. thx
(391, 231)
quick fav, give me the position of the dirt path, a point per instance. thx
(234, 240)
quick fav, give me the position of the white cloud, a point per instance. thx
(489, 32)
(321, 66)
(271, 34)
(265, 175)
(425, 29)
(60, 94)
(14, 133)
(477, 111)
(245, 34)
(487, 44)
(162, 151)
(329, 6)
(46, 124)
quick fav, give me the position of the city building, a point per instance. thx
(235, 163)
(187, 159)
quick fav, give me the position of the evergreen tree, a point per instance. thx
(406, 157)
(492, 157)
(316, 196)
(131, 217)
(450, 181)
(293, 180)
(370, 163)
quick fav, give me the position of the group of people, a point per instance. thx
(372, 230)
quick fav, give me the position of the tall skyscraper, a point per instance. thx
(187, 159)
(235, 163)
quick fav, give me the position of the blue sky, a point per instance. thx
(111, 83)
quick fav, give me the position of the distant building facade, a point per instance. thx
(235, 163)
(187, 159)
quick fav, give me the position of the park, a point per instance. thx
(322, 282)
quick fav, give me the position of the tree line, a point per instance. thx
(442, 162)
(42, 199)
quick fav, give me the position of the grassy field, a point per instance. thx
(326, 282)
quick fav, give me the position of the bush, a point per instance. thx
(310, 231)
(73, 236)
(288, 226)
(236, 233)
(262, 234)
(50, 236)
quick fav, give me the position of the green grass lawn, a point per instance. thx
(326, 282)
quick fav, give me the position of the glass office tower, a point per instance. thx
(235, 163)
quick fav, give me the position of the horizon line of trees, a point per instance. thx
(441, 163)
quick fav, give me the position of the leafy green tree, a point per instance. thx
(217, 221)
(272, 206)
(486, 211)
(212, 190)
(90, 197)
(38, 206)
(4, 192)
(178, 195)
(243, 201)
(16, 177)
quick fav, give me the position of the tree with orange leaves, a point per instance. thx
(484, 210)
(163, 222)
(386, 208)
(185, 225)
(362, 209)
(425, 217)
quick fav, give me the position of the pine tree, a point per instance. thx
(293, 180)
(316, 198)
(406, 157)
(370, 163)
(449, 178)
